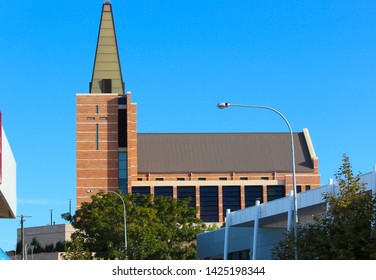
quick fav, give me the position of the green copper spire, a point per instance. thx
(107, 76)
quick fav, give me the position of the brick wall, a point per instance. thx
(132, 140)
(96, 144)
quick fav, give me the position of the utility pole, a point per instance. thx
(70, 210)
(51, 215)
(23, 235)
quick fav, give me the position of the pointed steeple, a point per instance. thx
(107, 76)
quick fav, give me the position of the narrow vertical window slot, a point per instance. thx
(97, 136)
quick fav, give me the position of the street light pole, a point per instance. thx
(223, 105)
(125, 220)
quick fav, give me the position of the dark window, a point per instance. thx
(239, 255)
(106, 86)
(123, 172)
(122, 128)
(223, 178)
(141, 190)
(139, 179)
(275, 192)
(264, 178)
(209, 203)
(122, 100)
(181, 179)
(307, 187)
(187, 192)
(90, 118)
(96, 109)
(243, 178)
(163, 191)
(298, 189)
(103, 118)
(123, 185)
(202, 179)
(253, 193)
(230, 198)
(158, 179)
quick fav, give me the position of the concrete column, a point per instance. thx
(227, 229)
(291, 207)
(255, 230)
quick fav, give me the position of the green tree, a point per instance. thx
(76, 248)
(163, 228)
(347, 231)
(99, 226)
(60, 246)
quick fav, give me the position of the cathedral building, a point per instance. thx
(218, 171)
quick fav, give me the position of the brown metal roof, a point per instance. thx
(221, 152)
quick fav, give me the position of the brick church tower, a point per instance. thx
(106, 136)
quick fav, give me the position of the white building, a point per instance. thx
(272, 220)
(45, 236)
(8, 199)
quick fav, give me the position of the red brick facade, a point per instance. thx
(96, 144)
(132, 141)
(97, 159)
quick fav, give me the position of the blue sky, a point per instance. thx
(314, 61)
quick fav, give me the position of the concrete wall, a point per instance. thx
(210, 244)
(47, 234)
(41, 256)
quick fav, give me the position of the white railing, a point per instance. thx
(305, 199)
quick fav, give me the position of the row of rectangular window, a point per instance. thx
(93, 118)
(202, 178)
(299, 188)
(209, 197)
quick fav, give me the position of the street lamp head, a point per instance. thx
(222, 105)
